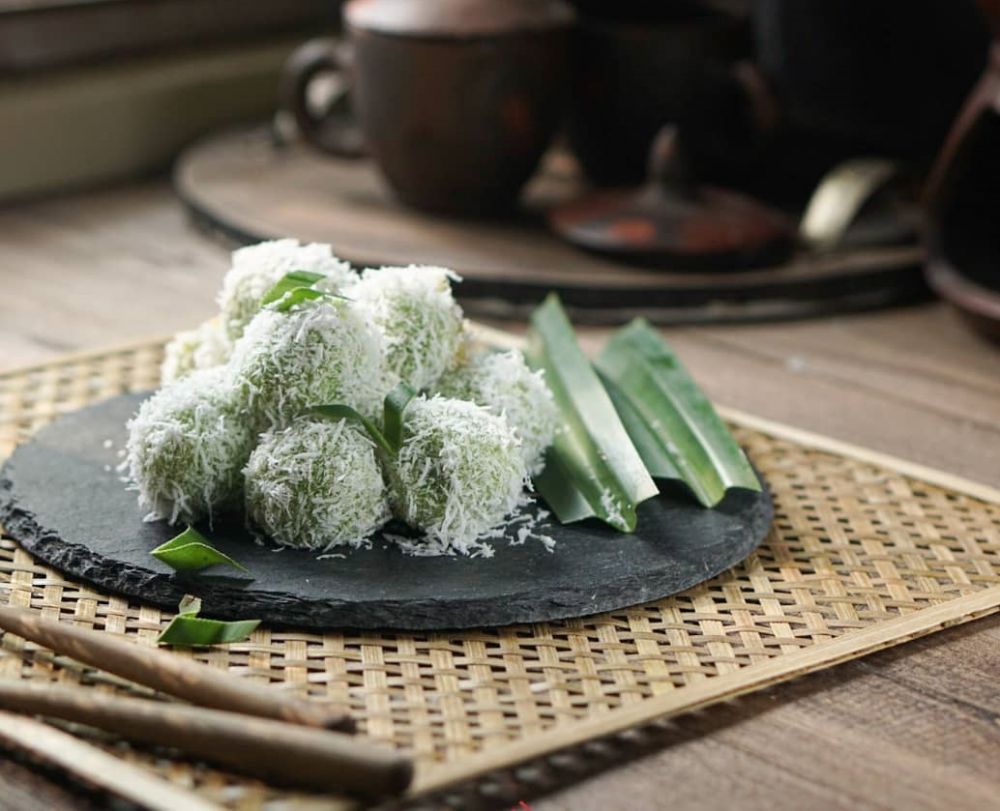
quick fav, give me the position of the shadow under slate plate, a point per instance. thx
(62, 499)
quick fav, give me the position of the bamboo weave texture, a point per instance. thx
(855, 545)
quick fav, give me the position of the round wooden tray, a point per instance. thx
(249, 188)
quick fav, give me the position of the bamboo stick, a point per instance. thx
(169, 673)
(308, 758)
(96, 767)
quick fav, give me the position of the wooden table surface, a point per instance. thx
(917, 727)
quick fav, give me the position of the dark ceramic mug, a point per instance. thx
(456, 100)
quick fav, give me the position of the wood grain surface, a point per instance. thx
(916, 727)
(239, 183)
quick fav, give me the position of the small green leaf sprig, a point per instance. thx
(188, 630)
(294, 288)
(388, 437)
(190, 551)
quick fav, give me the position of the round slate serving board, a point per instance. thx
(62, 499)
(248, 188)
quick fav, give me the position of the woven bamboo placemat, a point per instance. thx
(866, 552)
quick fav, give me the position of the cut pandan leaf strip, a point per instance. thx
(555, 485)
(338, 412)
(592, 468)
(188, 630)
(395, 404)
(650, 447)
(190, 551)
(389, 437)
(296, 280)
(673, 424)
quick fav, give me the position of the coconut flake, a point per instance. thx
(186, 447)
(416, 312)
(319, 352)
(257, 268)
(502, 382)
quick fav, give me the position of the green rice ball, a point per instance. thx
(203, 347)
(319, 352)
(416, 312)
(316, 485)
(257, 268)
(458, 474)
(503, 383)
(187, 446)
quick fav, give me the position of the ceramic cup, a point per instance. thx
(455, 100)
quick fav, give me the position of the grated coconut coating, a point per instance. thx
(320, 352)
(203, 347)
(257, 268)
(458, 474)
(503, 383)
(187, 446)
(316, 485)
(421, 322)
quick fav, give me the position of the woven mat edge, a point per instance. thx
(721, 688)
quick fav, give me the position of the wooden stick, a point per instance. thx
(271, 750)
(169, 673)
(96, 767)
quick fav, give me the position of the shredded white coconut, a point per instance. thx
(416, 312)
(503, 383)
(316, 485)
(257, 268)
(186, 447)
(320, 352)
(203, 347)
(458, 475)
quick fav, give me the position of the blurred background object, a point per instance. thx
(92, 90)
(964, 203)
(641, 64)
(456, 100)
(799, 114)
(770, 94)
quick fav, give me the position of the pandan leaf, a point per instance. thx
(389, 437)
(337, 412)
(189, 605)
(673, 424)
(295, 297)
(188, 630)
(296, 280)
(658, 462)
(395, 404)
(191, 552)
(592, 468)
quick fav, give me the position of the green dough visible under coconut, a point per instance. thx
(416, 312)
(203, 347)
(316, 485)
(187, 446)
(503, 383)
(458, 474)
(257, 268)
(320, 352)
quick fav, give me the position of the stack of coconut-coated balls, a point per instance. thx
(230, 427)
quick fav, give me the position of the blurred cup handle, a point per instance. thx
(327, 124)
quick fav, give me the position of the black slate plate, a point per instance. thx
(62, 499)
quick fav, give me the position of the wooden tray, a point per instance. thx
(246, 188)
(866, 552)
